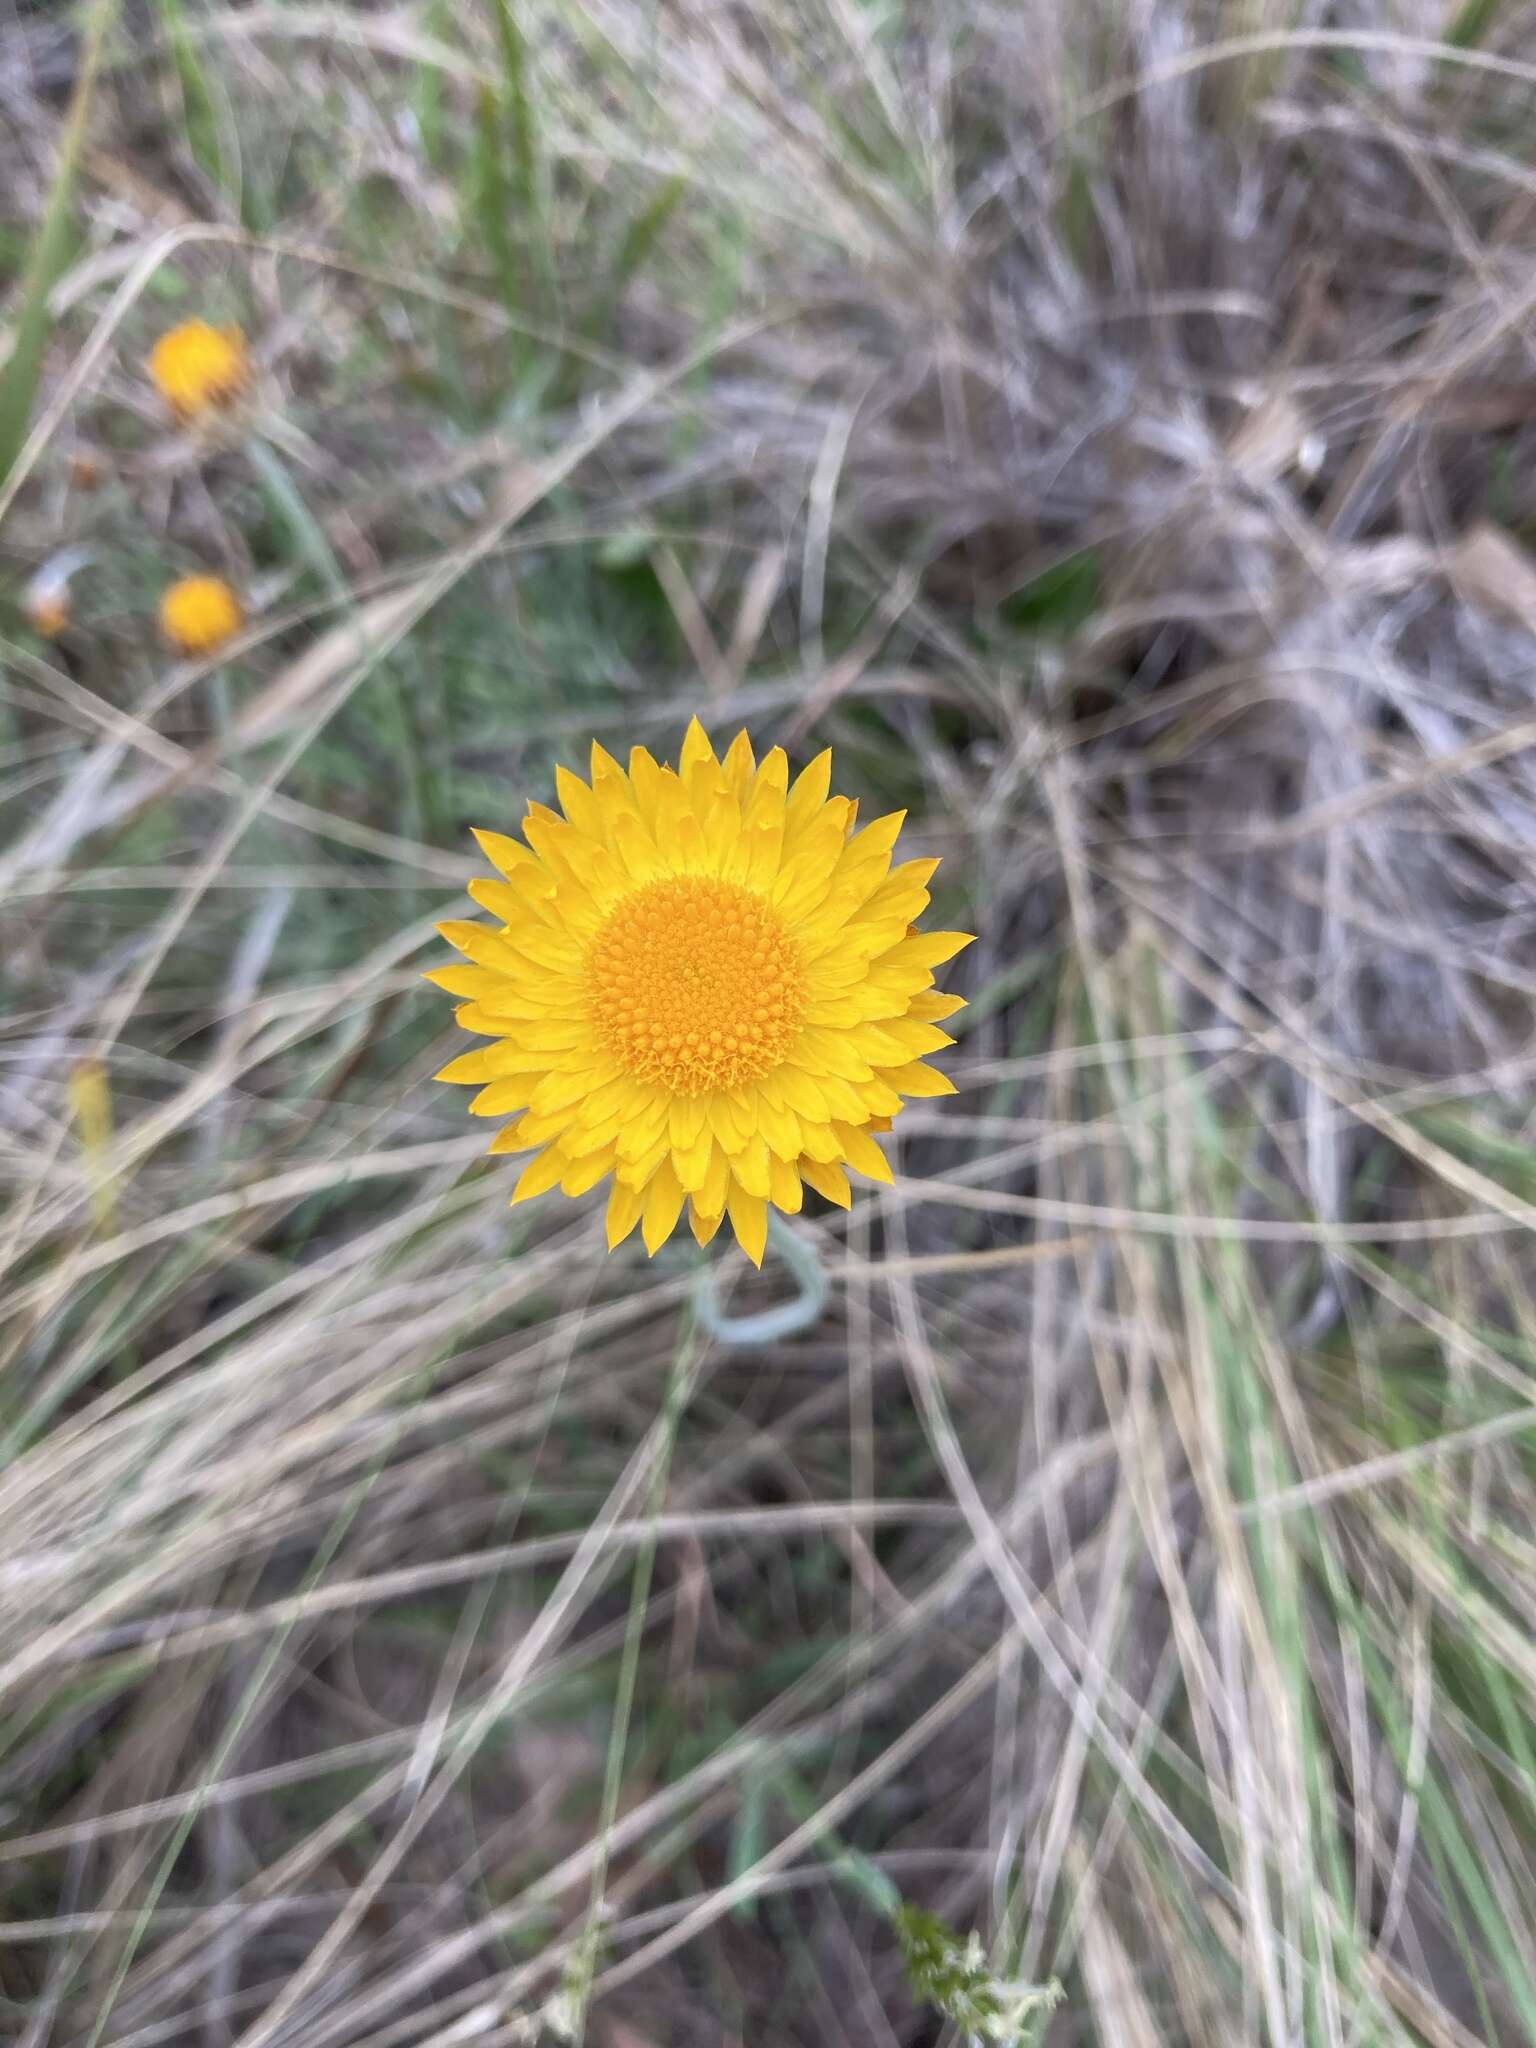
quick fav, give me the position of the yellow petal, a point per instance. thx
(463, 981)
(724, 1122)
(504, 853)
(499, 898)
(810, 790)
(751, 1166)
(784, 1189)
(584, 1174)
(471, 939)
(749, 1220)
(862, 1153)
(932, 949)
(738, 765)
(559, 845)
(578, 803)
(691, 1162)
(928, 1009)
(538, 1130)
(829, 1180)
(917, 1079)
(880, 1099)
(540, 1174)
(780, 1126)
(759, 853)
(877, 839)
(565, 1086)
(688, 1118)
(772, 777)
(911, 1040)
(636, 849)
(645, 782)
(603, 767)
(489, 1063)
(500, 1099)
(902, 893)
(716, 1185)
(637, 1168)
(696, 748)
(830, 1052)
(663, 1201)
(645, 1127)
(799, 1092)
(820, 1141)
(624, 1206)
(702, 1224)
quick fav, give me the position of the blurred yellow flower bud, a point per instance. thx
(199, 613)
(198, 369)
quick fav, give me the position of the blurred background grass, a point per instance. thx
(1108, 423)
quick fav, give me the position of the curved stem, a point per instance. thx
(786, 1318)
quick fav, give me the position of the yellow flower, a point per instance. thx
(197, 368)
(199, 613)
(703, 982)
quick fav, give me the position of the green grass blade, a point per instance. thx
(1472, 24)
(517, 110)
(49, 252)
(492, 201)
(199, 111)
(429, 90)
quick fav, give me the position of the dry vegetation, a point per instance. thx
(1110, 424)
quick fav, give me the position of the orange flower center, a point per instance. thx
(696, 984)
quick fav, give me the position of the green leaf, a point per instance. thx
(1472, 24)
(199, 112)
(1058, 601)
(955, 1976)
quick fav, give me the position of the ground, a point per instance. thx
(1109, 428)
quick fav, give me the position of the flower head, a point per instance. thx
(199, 369)
(199, 613)
(47, 599)
(704, 982)
(48, 612)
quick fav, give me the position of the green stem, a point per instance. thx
(287, 501)
(20, 374)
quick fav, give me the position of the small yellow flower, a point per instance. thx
(198, 369)
(703, 982)
(199, 613)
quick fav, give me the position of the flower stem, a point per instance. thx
(786, 1318)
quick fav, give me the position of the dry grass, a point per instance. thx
(1112, 428)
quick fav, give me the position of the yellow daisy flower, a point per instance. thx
(703, 982)
(197, 368)
(199, 613)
